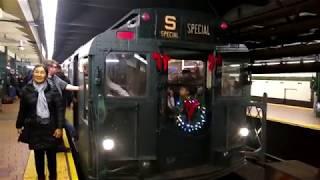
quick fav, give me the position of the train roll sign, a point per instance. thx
(180, 27)
(169, 27)
(198, 29)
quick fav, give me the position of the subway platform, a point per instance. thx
(17, 162)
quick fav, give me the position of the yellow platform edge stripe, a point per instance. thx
(65, 165)
(289, 122)
(72, 166)
(291, 107)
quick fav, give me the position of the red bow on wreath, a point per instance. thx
(161, 61)
(214, 60)
(190, 107)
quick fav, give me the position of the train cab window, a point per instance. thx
(231, 84)
(125, 75)
(186, 71)
(186, 79)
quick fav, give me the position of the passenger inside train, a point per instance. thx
(185, 83)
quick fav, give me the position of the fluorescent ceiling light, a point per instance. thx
(273, 63)
(234, 65)
(293, 62)
(309, 61)
(21, 48)
(1, 13)
(303, 14)
(30, 66)
(49, 11)
(258, 26)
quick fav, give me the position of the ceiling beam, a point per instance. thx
(106, 6)
(78, 25)
(289, 51)
(286, 11)
(284, 40)
(294, 28)
(285, 68)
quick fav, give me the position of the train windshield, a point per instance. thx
(186, 81)
(187, 72)
(126, 74)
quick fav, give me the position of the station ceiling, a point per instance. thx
(16, 31)
(263, 25)
(79, 21)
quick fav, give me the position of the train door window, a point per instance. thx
(70, 72)
(230, 85)
(125, 74)
(186, 79)
(84, 76)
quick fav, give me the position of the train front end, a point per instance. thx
(163, 100)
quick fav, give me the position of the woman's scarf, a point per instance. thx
(42, 105)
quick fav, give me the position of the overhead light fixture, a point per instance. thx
(49, 11)
(1, 13)
(30, 66)
(257, 26)
(273, 63)
(21, 47)
(304, 14)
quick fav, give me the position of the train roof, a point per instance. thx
(166, 25)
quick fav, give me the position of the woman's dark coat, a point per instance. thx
(40, 133)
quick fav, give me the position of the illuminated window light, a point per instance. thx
(112, 61)
(137, 56)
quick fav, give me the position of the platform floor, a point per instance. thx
(16, 160)
(14, 155)
(293, 115)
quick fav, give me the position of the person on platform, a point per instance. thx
(64, 87)
(40, 120)
(58, 82)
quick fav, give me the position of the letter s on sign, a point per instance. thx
(170, 23)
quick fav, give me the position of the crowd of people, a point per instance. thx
(44, 95)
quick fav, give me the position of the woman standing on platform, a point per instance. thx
(40, 120)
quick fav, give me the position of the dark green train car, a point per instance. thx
(158, 99)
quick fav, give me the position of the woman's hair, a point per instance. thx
(40, 65)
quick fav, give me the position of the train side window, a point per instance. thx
(231, 80)
(125, 75)
(84, 81)
(70, 72)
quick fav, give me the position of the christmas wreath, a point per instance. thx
(191, 116)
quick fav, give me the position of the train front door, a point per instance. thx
(130, 106)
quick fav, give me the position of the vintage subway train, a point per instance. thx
(158, 99)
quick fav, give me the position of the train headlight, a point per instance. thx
(244, 132)
(108, 144)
